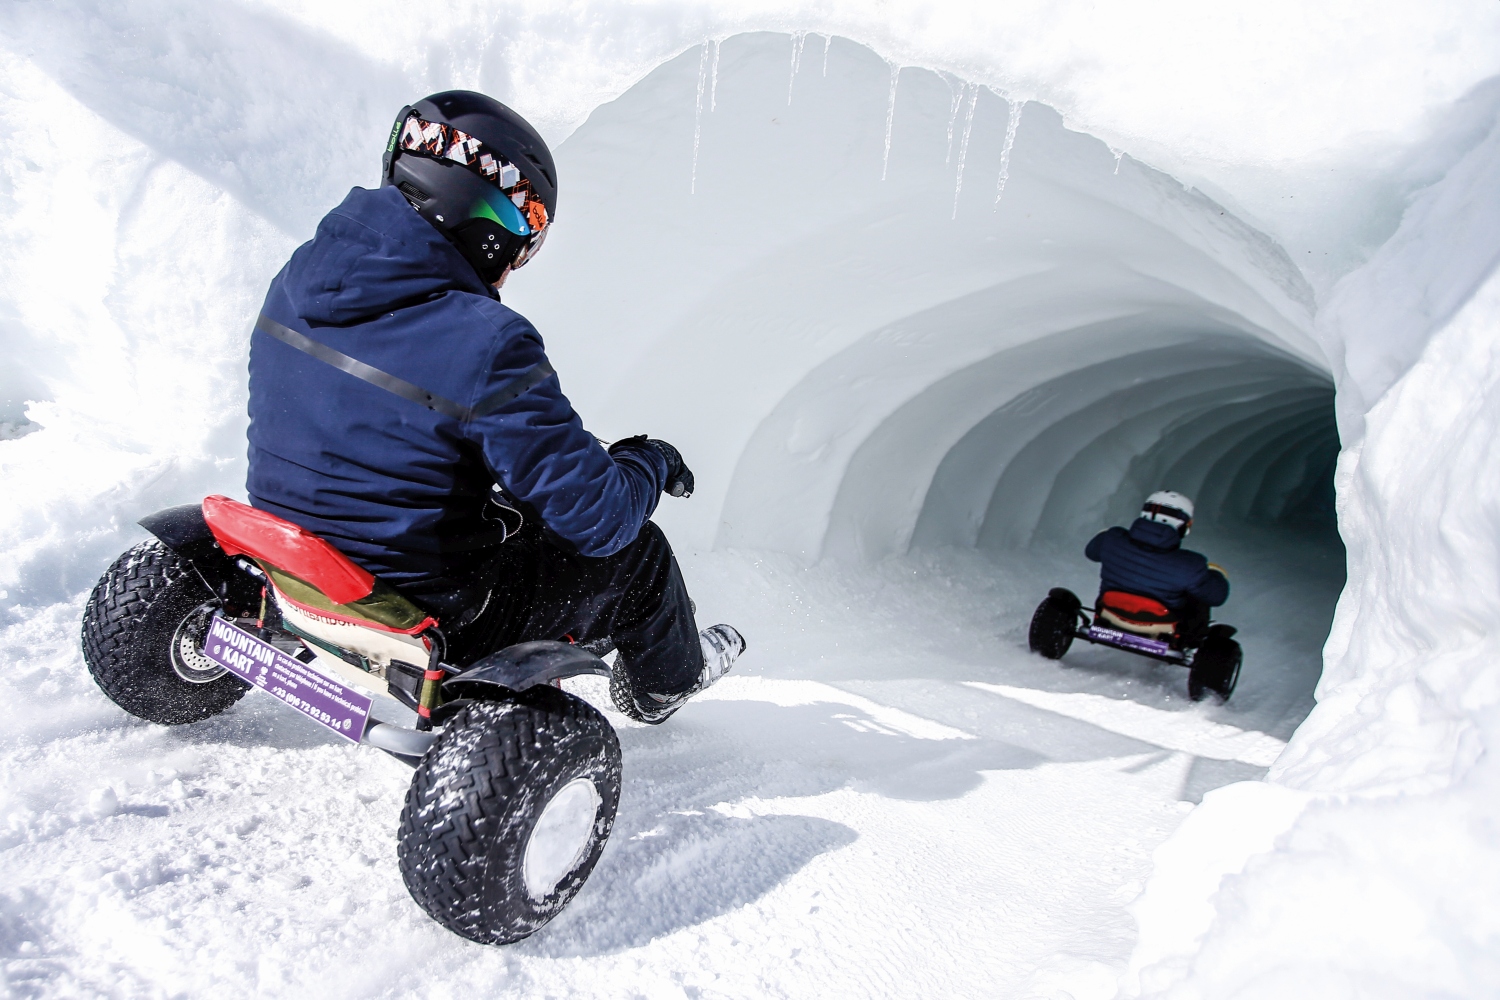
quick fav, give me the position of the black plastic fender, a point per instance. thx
(1066, 596)
(184, 531)
(521, 666)
(181, 528)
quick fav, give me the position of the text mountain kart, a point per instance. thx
(516, 782)
(1142, 626)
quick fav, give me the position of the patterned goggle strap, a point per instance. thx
(1159, 510)
(520, 211)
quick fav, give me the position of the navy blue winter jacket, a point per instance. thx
(1149, 560)
(398, 487)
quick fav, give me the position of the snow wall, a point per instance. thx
(880, 309)
(1368, 864)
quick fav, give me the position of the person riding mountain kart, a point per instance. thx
(1148, 583)
(1154, 601)
(400, 411)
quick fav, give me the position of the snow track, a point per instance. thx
(1169, 730)
(813, 825)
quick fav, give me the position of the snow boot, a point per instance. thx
(721, 645)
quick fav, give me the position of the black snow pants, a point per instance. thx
(1193, 625)
(538, 590)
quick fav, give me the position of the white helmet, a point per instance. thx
(1169, 508)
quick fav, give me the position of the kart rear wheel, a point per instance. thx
(143, 630)
(1215, 669)
(508, 812)
(1053, 622)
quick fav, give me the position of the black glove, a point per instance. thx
(679, 476)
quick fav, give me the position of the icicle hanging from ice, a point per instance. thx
(963, 147)
(827, 41)
(799, 39)
(698, 114)
(713, 78)
(1010, 143)
(958, 99)
(890, 119)
(1119, 155)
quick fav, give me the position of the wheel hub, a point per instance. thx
(188, 659)
(560, 838)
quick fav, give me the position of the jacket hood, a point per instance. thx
(371, 254)
(1154, 534)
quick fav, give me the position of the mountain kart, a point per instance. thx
(516, 782)
(1142, 626)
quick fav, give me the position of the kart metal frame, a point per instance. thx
(440, 688)
(1154, 649)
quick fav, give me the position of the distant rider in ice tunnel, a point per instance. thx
(400, 411)
(1147, 560)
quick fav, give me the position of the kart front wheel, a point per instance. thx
(1215, 669)
(143, 630)
(508, 813)
(1052, 624)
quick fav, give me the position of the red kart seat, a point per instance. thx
(1136, 613)
(310, 574)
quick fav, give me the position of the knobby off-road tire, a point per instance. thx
(508, 812)
(1215, 669)
(1052, 624)
(143, 631)
(621, 693)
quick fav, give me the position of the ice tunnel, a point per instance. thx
(885, 308)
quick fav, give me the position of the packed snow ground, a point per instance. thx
(889, 797)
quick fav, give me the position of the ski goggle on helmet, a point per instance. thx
(1169, 508)
(508, 199)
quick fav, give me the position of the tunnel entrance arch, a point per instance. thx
(877, 344)
(837, 290)
(884, 319)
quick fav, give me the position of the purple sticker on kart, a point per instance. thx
(1129, 641)
(314, 694)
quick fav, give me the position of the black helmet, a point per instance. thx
(479, 173)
